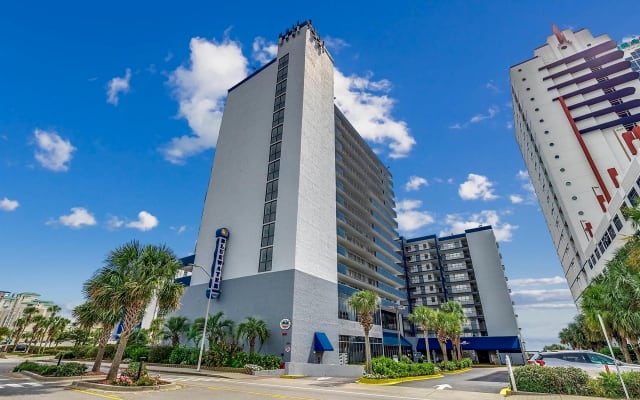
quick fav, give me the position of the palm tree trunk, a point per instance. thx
(102, 345)
(634, 346)
(426, 344)
(132, 315)
(623, 348)
(367, 353)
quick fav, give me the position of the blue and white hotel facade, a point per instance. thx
(309, 210)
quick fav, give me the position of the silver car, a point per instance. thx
(591, 362)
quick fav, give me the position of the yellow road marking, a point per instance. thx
(106, 396)
(272, 395)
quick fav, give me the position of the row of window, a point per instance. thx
(273, 168)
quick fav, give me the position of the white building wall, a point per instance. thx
(235, 197)
(494, 295)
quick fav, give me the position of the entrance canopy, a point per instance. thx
(506, 344)
(321, 342)
(391, 339)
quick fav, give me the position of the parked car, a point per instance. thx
(20, 347)
(591, 362)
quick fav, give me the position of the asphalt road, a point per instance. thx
(482, 380)
(259, 388)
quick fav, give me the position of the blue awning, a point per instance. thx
(391, 339)
(321, 342)
(505, 344)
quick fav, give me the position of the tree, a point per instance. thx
(175, 326)
(5, 333)
(442, 325)
(365, 303)
(39, 325)
(89, 314)
(56, 328)
(254, 329)
(155, 330)
(424, 316)
(454, 332)
(22, 323)
(133, 275)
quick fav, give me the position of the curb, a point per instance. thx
(368, 381)
(291, 376)
(61, 379)
(115, 388)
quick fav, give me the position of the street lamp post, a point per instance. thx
(399, 322)
(206, 320)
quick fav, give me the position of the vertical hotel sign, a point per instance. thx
(222, 235)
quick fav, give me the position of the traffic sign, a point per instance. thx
(285, 324)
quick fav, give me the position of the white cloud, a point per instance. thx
(114, 223)
(168, 57)
(335, 44)
(8, 205)
(509, 125)
(523, 175)
(516, 199)
(458, 224)
(264, 51)
(476, 187)
(527, 186)
(415, 182)
(491, 112)
(78, 218)
(118, 85)
(368, 107)
(145, 222)
(491, 86)
(556, 280)
(200, 89)
(409, 219)
(53, 152)
(538, 296)
(179, 230)
(629, 38)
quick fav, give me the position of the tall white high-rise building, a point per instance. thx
(576, 107)
(298, 214)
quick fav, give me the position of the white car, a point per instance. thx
(591, 362)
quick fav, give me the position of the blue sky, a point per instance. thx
(109, 113)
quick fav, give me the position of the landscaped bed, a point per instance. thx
(387, 371)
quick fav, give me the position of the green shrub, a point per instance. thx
(405, 359)
(132, 370)
(135, 352)
(146, 380)
(447, 366)
(269, 361)
(159, 354)
(389, 368)
(92, 353)
(26, 366)
(66, 355)
(70, 369)
(47, 370)
(464, 363)
(608, 385)
(81, 351)
(109, 351)
(184, 356)
(559, 380)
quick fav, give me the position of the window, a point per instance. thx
(268, 231)
(612, 232)
(266, 255)
(272, 191)
(281, 88)
(269, 212)
(282, 74)
(283, 61)
(633, 197)
(273, 171)
(274, 151)
(278, 103)
(617, 222)
(276, 134)
(278, 118)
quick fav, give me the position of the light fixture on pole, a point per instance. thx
(399, 322)
(206, 319)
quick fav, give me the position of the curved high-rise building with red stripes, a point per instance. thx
(576, 107)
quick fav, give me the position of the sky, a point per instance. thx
(109, 115)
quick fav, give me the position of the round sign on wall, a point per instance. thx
(285, 323)
(287, 348)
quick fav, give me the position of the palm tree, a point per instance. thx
(442, 325)
(424, 316)
(88, 314)
(365, 302)
(252, 329)
(22, 323)
(39, 325)
(455, 329)
(175, 326)
(53, 310)
(5, 333)
(155, 330)
(133, 275)
(57, 326)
